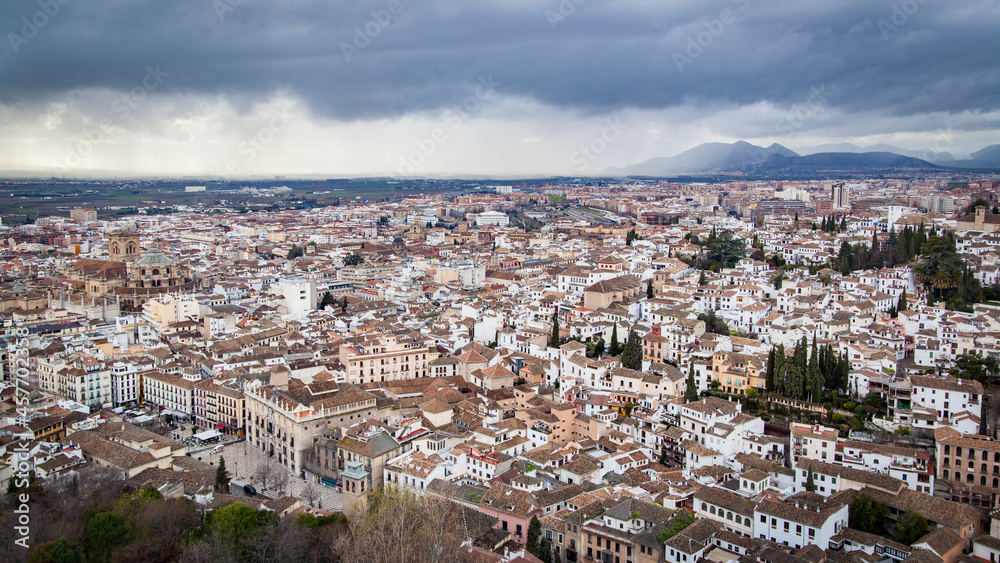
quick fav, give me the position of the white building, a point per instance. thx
(124, 384)
(494, 218)
(951, 398)
(798, 522)
(299, 294)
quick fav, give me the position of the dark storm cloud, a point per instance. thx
(347, 61)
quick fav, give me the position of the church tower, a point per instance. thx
(123, 246)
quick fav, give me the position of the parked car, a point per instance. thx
(249, 490)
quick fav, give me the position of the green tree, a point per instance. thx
(615, 348)
(237, 522)
(973, 366)
(554, 339)
(632, 236)
(534, 533)
(353, 259)
(810, 481)
(222, 477)
(691, 393)
(723, 250)
(649, 289)
(328, 299)
(544, 550)
(295, 252)
(866, 514)
(104, 532)
(910, 527)
(632, 355)
(61, 550)
(701, 278)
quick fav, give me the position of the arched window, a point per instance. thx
(996, 482)
(946, 462)
(711, 510)
(985, 453)
(958, 451)
(983, 470)
(945, 474)
(729, 516)
(972, 465)
(947, 450)
(969, 478)
(982, 481)
(156, 271)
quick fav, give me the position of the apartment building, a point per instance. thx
(738, 373)
(386, 357)
(814, 442)
(220, 404)
(968, 466)
(86, 381)
(169, 391)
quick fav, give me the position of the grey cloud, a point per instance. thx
(601, 57)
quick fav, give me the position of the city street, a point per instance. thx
(242, 462)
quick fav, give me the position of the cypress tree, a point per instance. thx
(554, 341)
(769, 373)
(649, 289)
(222, 477)
(614, 349)
(632, 355)
(691, 393)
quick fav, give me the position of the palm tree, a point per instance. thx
(924, 273)
(946, 279)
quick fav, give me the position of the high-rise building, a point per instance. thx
(840, 195)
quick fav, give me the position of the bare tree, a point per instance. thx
(280, 479)
(400, 526)
(264, 474)
(310, 494)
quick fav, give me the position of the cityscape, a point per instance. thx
(499, 282)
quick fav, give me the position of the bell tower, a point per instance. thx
(123, 246)
(354, 480)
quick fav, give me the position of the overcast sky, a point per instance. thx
(509, 87)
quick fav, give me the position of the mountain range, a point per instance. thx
(742, 156)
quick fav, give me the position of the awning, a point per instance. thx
(207, 435)
(220, 426)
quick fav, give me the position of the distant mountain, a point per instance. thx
(843, 161)
(923, 154)
(706, 157)
(987, 158)
(988, 154)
